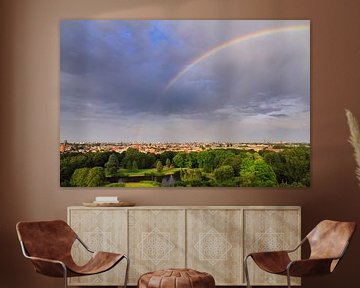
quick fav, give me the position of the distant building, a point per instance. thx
(63, 147)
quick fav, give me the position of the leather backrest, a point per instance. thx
(329, 238)
(46, 239)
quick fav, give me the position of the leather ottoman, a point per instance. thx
(176, 278)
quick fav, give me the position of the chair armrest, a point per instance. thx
(309, 267)
(298, 246)
(281, 251)
(45, 260)
(48, 267)
(268, 253)
(83, 244)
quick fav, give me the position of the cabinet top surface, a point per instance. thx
(192, 207)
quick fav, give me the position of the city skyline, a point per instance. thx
(158, 148)
(181, 81)
(179, 142)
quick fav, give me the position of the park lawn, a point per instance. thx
(142, 184)
(115, 185)
(143, 172)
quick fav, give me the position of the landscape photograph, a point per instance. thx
(184, 103)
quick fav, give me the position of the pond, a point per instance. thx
(165, 180)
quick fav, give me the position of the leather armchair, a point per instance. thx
(328, 242)
(48, 245)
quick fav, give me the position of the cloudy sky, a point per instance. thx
(180, 81)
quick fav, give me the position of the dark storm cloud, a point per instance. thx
(119, 62)
(280, 115)
(118, 71)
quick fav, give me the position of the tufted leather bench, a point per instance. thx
(176, 278)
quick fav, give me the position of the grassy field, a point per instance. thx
(115, 185)
(142, 184)
(147, 172)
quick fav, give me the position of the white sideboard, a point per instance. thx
(211, 239)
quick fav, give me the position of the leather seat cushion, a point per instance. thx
(176, 278)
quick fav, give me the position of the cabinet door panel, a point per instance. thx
(214, 244)
(156, 239)
(270, 230)
(100, 230)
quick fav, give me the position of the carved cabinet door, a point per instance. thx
(101, 230)
(156, 240)
(271, 230)
(214, 244)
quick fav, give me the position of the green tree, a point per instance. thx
(132, 154)
(191, 177)
(149, 160)
(190, 160)
(98, 159)
(291, 166)
(255, 172)
(179, 160)
(297, 165)
(95, 177)
(168, 162)
(277, 161)
(264, 174)
(205, 160)
(128, 164)
(167, 155)
(79, 177)
(220, 156)
(112, 165)
(159, 166)
(234, 162)
(224, 173)
(68, 164)
(143, 160)
(134, 165)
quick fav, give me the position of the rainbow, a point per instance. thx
(229, 43)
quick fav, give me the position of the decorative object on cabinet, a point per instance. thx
(108, 201)
(48, 245)
(134, 95)
(328, 242)
(354, 140)
(176, 278)
(109, 204)
(204, 238)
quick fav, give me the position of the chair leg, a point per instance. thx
(127, 271)
(246, 272)
(288, 278)
(65, 276)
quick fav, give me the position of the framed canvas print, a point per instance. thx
(185, 103)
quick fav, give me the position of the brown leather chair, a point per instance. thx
(48, 245)
(328, 242)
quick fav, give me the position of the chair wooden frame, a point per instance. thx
(315, 265)
(58, 268)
